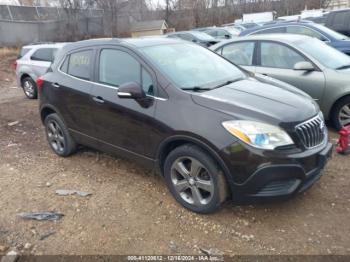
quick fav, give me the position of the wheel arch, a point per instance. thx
(47, 110)
(178, 140)
(331, 111)
(25, 75)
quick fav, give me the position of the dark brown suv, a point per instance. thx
(213, 131)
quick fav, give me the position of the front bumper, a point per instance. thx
(279, 178)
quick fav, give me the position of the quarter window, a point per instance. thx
(279, 56)
(240, 53)
(44, 54)
(118, 68)
(80, 64)
(64, 66)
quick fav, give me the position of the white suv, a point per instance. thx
(33, 62)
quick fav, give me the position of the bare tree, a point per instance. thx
(111, 8)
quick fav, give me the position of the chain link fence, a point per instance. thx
(23, 24)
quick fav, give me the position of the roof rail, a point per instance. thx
(41, 43)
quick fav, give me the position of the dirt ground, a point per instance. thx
(131, 212)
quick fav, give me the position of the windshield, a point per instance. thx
(203, 36)
(190, 66)
(326, 55)
(331, 32)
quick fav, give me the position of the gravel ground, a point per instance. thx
(130, 210)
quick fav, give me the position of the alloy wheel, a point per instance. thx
(192, 181)
(28, 88)
(55, 136)
(344, 115)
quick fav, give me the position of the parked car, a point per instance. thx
(339, 21)
(210, 129)
(223, 32)
(199, 38)
(319, 19)
(249, 25)
(32, 62)
(304, 62)
(202, 29)
(334, 39)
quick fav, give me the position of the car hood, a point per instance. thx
(253, 100)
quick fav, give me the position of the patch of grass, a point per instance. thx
(8, 52)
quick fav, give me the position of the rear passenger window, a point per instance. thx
(79, 64)
(44, 54)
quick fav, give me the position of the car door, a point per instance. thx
(277, 60)
(126, 124)
(41, 60)
(71, 88)
(241, 53)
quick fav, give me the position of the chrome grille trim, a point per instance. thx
(312, 133)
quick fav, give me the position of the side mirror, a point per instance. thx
(304, 66)
(227, 36)
(131, 90)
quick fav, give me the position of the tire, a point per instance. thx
(341, 111)
(58, 136)
(29, 88)
(208, 179)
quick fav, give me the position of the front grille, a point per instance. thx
(312, 133)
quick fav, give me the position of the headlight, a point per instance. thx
(258, 134)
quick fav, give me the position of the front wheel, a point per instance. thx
(341, 113)
(58, 136)
(195, 180)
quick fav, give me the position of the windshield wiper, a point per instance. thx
(196, 89)
(343, 67)
(226, 83)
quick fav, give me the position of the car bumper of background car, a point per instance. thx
(280, 178)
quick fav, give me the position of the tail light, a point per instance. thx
(40, 82)
(14, 65)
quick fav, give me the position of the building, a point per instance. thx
(149, 28)
(338, 4)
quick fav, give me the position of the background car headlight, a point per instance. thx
(258, 134)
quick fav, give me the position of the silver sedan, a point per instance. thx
(304, 62)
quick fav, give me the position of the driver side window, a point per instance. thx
(118, 68)
(279, 56)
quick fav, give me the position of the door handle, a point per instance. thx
(56, 85)
(98, 99)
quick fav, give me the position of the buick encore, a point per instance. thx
(211, 130)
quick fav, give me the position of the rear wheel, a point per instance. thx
(341, 113)
(29, 88)
(195, 180)
(58, 136)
